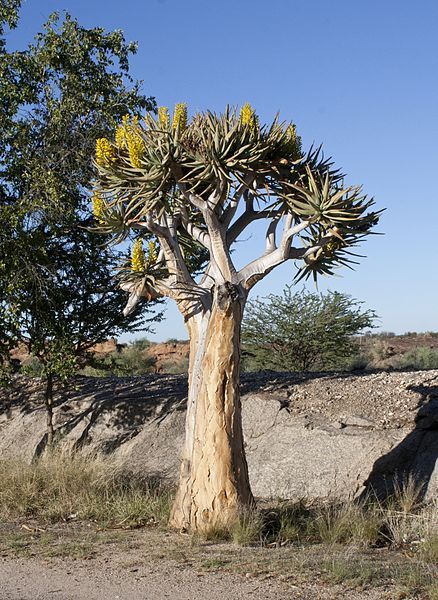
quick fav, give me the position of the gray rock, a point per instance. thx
(293, 451)
(357, 421)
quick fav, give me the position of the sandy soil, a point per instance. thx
(34, 579)
(31, 579)
(81, 562)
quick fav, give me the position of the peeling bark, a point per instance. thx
(214, 482)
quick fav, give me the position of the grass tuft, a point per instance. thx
(248, 529)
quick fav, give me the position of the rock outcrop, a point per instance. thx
(307, 435)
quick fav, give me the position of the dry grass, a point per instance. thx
(61, 487)
(356, 544)
(346, 523)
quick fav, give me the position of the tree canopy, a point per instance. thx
(65, 90)
(205, 180)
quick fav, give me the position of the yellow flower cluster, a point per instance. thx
(180, 117)
(105, 154)
(128, 136)
(137, 256)
(329, 250)
(248, 116)
(163, 118)
(291, 133)
(152, 253)
(136, 148)
(122, 133)
(293, 140)
(98, 205)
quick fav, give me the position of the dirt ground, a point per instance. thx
(68, 563)
(31, 579)
(102, 579)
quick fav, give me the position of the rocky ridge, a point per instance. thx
(313, 435)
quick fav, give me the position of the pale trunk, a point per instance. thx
(214, 483)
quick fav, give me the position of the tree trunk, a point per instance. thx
(48, 399)
(214, 483)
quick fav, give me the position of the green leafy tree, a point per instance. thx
(203, 182)
(59, 95)
(303, 331)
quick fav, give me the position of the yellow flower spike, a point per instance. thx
(291, 133)
(122, 133)
(248, 116)
(163, 118)
(152, 253)
(136, 148)
(330, 248)
(180, 117)
(98, 206)
(293, 140)
(105, 154)
(137, 256)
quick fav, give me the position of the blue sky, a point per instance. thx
(360, 77)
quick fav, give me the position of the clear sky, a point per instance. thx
(359, 76)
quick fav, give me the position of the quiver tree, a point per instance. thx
(195, 186)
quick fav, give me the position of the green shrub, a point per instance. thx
(175, 367)
(141, 344)
(421, 358)
(32, 367)
(132, 360)
(302, 331)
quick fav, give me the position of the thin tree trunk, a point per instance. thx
(48, 398)
(214, 483)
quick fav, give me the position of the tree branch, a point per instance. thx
(230, 211)
(193, 230)
(270, 244)
(259, 268)
(166, 235)
(245, 219)
(190, 298)
(219, 250)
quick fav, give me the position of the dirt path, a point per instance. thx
(30, 579)
(36, 579)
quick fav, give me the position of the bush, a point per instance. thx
(175, 367)
(420, 358)
(132, 360)
(32, 367)
(141, 344)
(303, 331)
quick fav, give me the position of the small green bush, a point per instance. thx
(132, 360)
(421, 358)
(303, 331)
(175, 367)
(32, 367)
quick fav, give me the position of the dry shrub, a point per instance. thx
(247, 529)
(406, 519)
